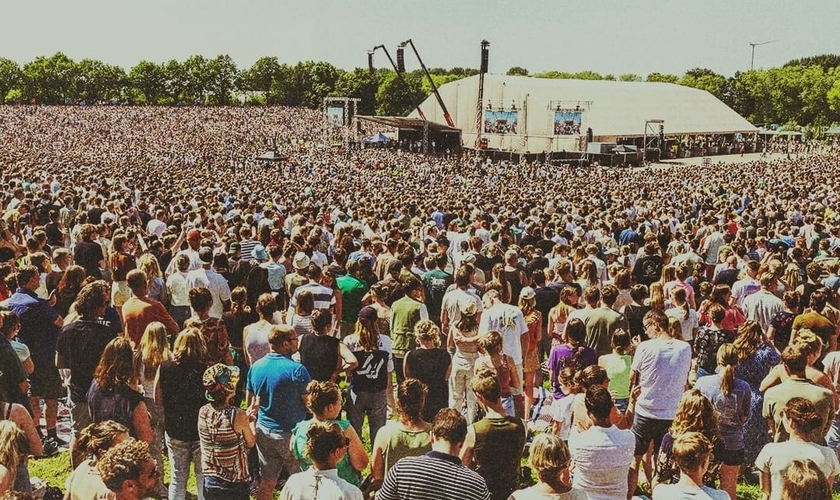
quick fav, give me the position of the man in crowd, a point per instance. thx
(207, 277)
(405, 313)
(130, 472)
(139, 310)
(439, 474)
(509, 321)
(277, 388)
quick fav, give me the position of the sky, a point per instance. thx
(606, 36)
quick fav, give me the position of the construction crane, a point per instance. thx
(431, 82)
(753, 45)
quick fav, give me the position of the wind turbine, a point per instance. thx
(753, 46)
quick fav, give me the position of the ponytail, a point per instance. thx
(686, 311)
(727, 357)
(728, 380)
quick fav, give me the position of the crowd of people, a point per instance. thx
(378, 322)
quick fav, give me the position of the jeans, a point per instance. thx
(156, 420)
(216, 488)
(181, 453)
(507, 404)
(463, 365)
(372, 404)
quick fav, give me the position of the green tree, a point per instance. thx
(705, 79)
(630, 77)
(517, 71)
(261, 75)
(98, 81)
(361, 84)
(149, 79)
(662, 78)
(50, 80)
(394, 99)
(10, 77)
(197, 72)
(223, 79)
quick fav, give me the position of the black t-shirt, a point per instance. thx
(81, 344)
(117, 404)
(12, 374)
(183, 396)
(319, 354)
(648, 269)
(88, 255)
(236, 323)
(547, 298)
(372, 372)
(429, 366)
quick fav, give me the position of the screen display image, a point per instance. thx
(567, 122)
(500, 122)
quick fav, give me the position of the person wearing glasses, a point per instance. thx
(129, 471)
(326, 446)
(276, 394)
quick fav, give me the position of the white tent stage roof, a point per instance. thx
(532, 112)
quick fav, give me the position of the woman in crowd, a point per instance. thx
(378, 295)
(226, 435)
(14, 449)
(617, 366)
(235, 320)
(301, 318)
(179, 389)
(122, 261)
(813, 345)
(756, 358)
(178, 290)
(693, 455)
(324, 402)
(255, 335)
(431, 365)
(782, 321)
(368, 386)
(550, 458)
(408, 436)
(684, 313)
(722, 296)
(801, 419)
(559, 314)
(326, 447)
(85, 483)
(574, 353)
(323, 355)
(153, 350)
(695, 414)
(709, 339)
(463, 339)
(212, 329)
(20, 417)
(732, 399)
(492, 358)
(68, 289)
(156, 286)
(114, 395)
(531, 358)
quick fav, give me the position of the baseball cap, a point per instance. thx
(527, 293)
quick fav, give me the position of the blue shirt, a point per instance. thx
(279, 382)
(37, 325)
(732, 409)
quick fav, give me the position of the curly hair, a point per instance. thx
(695, 414)
(320, 395)
(426, 330)
(123, 462)
(322, 439)
(91, 297)
(97, 438)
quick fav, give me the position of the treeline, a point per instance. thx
(803, 91)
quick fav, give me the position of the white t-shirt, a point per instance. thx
(687, 325)
(680, 492)
(663, 366)
(509, 321)
(602, 457)
(775, 458)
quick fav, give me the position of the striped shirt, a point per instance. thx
(223, 452)
(323, 295)
(433, 476)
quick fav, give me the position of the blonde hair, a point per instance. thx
(13, 444)
(656, 297)
(674, 328)
(426, 330)
(549, 455)
(153, 349)
(805, 479)
(727, 357)
(150, 267)
(695, 414)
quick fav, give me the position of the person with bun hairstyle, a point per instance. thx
(93, 441)
(617, 366)
(431, 365)
(732, 399)
(574, 354)
(324, 401)
(408, 436)
(550, 458)
(693, 453)
(326, 446)
(801, 419)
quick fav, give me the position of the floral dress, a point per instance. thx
(753, 370)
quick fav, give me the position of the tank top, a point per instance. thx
(498, 449)
(223, 452)
(319, 354)
(404, 443)
(512, 278)
(117, 404)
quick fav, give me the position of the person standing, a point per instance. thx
(225, 434)
(493, 446)
(39, 326)
(431, 365)
(660, 367)
(439, 474)
(509, 321)
(139, 311)
(405, 314)
(277, 386)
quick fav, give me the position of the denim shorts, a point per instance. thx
(647, 430)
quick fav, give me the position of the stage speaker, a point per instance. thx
(401, 60)
(370, 62)
(589, 134)
(485, 59)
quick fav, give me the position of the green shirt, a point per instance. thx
(352, 291)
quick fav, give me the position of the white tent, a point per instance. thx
(521, 113)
